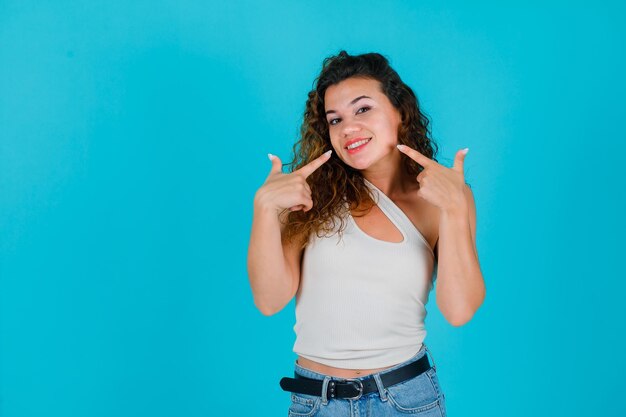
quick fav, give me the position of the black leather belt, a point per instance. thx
(353, 388)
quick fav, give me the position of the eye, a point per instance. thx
(366, 108)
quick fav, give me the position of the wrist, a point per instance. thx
(459, 211)
(261, 206)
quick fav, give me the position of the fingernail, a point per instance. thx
(269, 155)
(465, 151)
(328, 152)
(400, 147)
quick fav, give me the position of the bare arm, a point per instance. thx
(274, 266)
(460, 284)
(461, 287)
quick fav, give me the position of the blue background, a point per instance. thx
(133, 136)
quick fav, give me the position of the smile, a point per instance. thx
(353, 147)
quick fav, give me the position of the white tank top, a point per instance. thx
(361, 301)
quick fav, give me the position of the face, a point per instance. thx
(359, 113)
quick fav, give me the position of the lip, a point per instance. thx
(351, 141)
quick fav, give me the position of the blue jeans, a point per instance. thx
(419, 396)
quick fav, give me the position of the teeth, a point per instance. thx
(357, 144)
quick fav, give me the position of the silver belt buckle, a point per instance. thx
(359, 386)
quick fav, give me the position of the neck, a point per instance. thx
(390, 180)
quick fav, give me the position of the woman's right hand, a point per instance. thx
(281, 191)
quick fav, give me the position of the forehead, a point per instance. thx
(339, 95)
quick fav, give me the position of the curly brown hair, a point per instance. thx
(335, 183)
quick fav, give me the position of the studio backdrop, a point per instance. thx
(134, 135)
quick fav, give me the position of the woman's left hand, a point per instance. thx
(439, 185)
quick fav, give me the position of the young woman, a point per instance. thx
(356, 231)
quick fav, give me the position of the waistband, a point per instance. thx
(316, 375)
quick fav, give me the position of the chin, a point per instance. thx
(360, 165)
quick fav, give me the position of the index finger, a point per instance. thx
(416, 155)
(309, 168)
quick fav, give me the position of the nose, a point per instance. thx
(350, 128)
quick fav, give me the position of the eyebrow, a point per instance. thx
(352, 102)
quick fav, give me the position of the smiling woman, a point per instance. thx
(362, 117)
(355, 232)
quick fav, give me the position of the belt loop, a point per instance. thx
(325, 389)
(431, 357)
(380, 386)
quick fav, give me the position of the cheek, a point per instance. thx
(392, 131)
(383, 125)
(336, 150)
